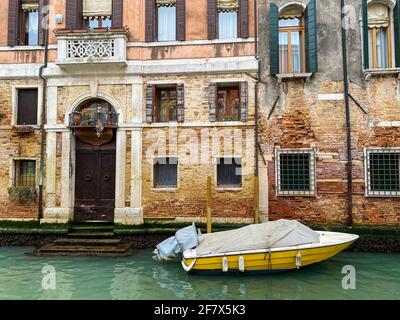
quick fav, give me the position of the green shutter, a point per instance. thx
(365, 33)
(274, 38)
(396, 18)
(311, 37)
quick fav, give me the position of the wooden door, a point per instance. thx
(95, 182)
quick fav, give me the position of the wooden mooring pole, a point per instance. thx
(209, 205)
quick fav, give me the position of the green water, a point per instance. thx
(138, 277)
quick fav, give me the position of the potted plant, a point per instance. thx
(22, 194)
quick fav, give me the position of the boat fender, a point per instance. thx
(298, 260)
(225, 264)
(241, 264)
(190, 267)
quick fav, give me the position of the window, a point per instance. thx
(229, 172)
(97, 14)
(295, 172)
(228, 103)
(379, 36)
(291, 40)
(27, 112)
(29, 23)
(228, 19)
(165, 173)
(165, 105)
(98, 22)
(25, 173)
(383, 172)
(166, 18)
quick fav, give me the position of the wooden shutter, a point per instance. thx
(73, 14)
(311, 37)
(150, 20)
(274, 38)
(27, 107)
(212, 97)
(13, 21)
(43, 14)
(117, 13)
(244, 18)
(180, 20)
(244, 98)
(150, 92)
(212, 19)
(396, 18)
(365, 33)
(180, 93)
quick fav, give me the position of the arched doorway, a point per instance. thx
(94, 123)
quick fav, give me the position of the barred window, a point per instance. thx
(25, 173)
(295, 172)
(229, 172)
(165, 173)
(383, 172)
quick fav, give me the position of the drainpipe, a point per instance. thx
(348, 122)
(256, 114)
(43, 117)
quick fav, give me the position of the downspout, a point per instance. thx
(348, 122)
(256, 115)
(43, 117)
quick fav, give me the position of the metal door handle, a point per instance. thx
(88, 178)
(107, 178)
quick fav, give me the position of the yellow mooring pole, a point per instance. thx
(209, 205)
(256, 200)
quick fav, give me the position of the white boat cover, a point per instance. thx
(275, 234)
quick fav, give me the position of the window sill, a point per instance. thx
(162, 189)
(371, 196)
(368, 73)
(229, 189)
(293, 76)
(297, 194)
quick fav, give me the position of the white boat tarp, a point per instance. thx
(275, 234)
(174, 246)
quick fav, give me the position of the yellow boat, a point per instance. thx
(269, 260)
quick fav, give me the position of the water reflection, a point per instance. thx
(139, 277)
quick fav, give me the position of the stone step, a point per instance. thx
(83, 241)
(91, 228)
(54, 249)
(88, 234)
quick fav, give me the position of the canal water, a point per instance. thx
(138, 277)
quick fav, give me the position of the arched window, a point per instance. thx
(93, 113)
(291, 39)
(379, 35)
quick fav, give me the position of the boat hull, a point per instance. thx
(267, 261)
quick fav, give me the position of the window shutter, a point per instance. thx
(365, 33)
(117, 13)
(274, 39)
(27, 107)
(43, 13)
(13, 21)
(212, 97)
(180, 20)
(180, 92)
(396, 18)
(150, 92)
(212, 19)
(311, 37)
(150, 20)
(244, 18)
(244, 101)
(73, 14)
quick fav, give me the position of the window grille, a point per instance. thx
(229, 172)
(383, 172)
(25, 173)
(295, 172)
(165, 173)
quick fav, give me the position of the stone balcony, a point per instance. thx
(105, 47)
